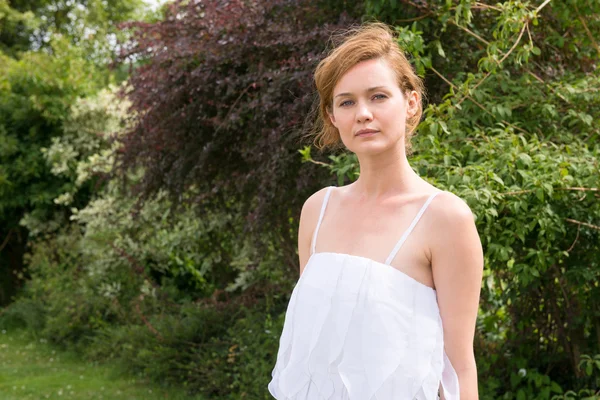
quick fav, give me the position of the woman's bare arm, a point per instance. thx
(457, 265)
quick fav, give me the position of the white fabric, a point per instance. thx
(408, 231)
(323, 207)
(358, 329)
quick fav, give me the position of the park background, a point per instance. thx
(154, 161)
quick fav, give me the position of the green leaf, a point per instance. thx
(539, 193)
(514, 380)
(433, 128)
(440, 49)
(564, 172)
(497, 179)
(555, 387)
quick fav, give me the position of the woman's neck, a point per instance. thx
(385, 175)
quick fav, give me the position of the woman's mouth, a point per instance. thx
(366, 132)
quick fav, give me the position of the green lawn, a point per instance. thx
(31, 369)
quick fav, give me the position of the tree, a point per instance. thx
(48, 60)
(219, 105)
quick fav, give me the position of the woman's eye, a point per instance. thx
(379, 96)
(346, 103)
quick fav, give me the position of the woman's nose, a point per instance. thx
(363, 113)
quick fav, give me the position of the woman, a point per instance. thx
(390, 266)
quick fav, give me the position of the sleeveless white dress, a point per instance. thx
(357, 329)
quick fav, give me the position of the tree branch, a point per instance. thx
(415, 18)
(486, 6)
(575, 241)
(476, 102)
(587, 30)
(499, 62)
(580, 189)
(548, 86)
(318, 162)
(583, 223)
(476, 36)
(537, 10)
(6, 240)
(151, 328)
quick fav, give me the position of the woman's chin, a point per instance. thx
(373, 145)
(370, 148)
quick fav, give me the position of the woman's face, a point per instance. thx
(369, 109)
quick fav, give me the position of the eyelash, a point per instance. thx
(342, 104)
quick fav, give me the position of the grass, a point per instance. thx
(32, 369)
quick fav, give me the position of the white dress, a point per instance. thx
(358, 329)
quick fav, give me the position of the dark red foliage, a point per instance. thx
(221, 98)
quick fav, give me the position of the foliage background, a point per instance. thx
(152, 175)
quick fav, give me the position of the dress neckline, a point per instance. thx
(383, 265)
(400, 242)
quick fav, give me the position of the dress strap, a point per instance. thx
(323, 207)
(410, 228)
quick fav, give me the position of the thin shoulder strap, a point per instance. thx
(410, 228)
(323, 207)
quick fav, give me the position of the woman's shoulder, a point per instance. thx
(308, 221)
(450, 205)
(445, 204)
(450, 213)
(312, 205)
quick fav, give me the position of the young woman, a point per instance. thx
(390, 266)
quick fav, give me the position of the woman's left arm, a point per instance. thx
(457, 265)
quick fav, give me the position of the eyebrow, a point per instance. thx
(372, 89)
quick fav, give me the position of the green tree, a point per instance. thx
(51, 54)
(88, 24)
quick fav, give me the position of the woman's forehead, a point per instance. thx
(366, 76)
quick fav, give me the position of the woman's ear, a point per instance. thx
(331, 117)
(413, 103)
